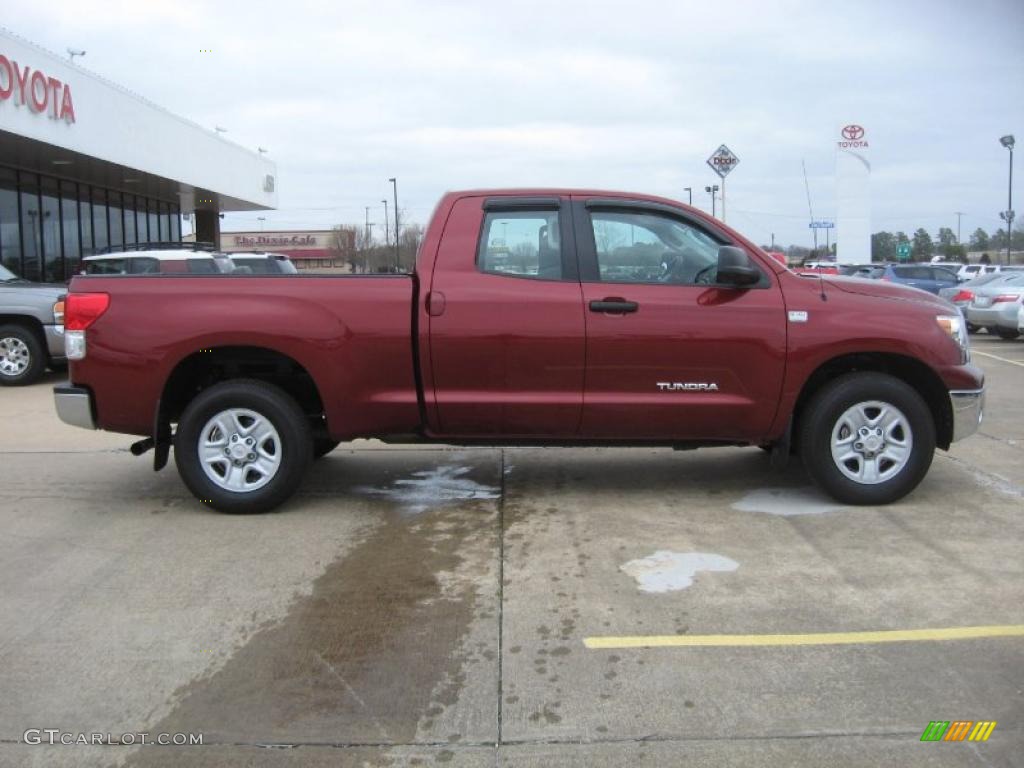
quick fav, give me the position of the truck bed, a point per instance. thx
(350, 333)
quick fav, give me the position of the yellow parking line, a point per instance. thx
(997, 357)
(820, 638)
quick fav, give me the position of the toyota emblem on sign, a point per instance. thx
(853, 132)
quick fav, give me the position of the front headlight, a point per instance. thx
(955, 326)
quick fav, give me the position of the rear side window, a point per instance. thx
(521, 244)
(143, 266)
(943, 274)
(105, 267)
(913, 273)
(202, 267)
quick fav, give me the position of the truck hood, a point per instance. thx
(883, 290)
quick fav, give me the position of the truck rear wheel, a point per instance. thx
(22, 359)
(867, 438)
(243, 446)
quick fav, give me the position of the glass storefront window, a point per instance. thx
(175, 224)
(10, 232)
(165, 221)
(53, 258)
(114, 216)
(100, 232)
(31, 228)
(69, 227)
(85, 219)
(129, 220)
(155, 234)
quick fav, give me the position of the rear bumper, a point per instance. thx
(1003, 315)
(75, 406)
(968, 411)
(54, 341)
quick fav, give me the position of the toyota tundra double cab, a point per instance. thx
(533, 317)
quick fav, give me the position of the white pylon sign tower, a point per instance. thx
(853, 195)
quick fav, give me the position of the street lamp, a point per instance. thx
(689, 192)
(398, 257)
(387, 241)
(1007, 215)
(713, 190)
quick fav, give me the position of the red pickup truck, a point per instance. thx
(533, 317)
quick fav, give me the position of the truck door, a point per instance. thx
(507, 334)
(671, 354)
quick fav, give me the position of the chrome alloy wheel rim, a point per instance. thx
(239, 450)
(871, 442)
(14, 356)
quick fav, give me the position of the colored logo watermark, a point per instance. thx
(958, 730)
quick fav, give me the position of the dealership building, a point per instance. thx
(86, 165)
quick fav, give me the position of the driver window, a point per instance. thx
(650, 248)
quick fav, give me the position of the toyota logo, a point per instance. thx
(853, 132)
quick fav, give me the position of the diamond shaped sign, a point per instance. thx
(722, 161)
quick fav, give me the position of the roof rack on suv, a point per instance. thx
(157, 246)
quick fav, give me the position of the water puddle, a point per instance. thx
(787, 502)
(667, 571)
(433, 488)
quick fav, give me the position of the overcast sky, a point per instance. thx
(631, 96)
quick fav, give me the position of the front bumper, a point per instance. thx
(968, 411)
(54, 341)
(74, 406)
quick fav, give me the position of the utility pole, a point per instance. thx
(366, 229)
(1007, 215)
(723, 199)
(387, 241)
(773, 241)
(398, 235)
(712, 190)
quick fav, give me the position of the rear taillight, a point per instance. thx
(963, 296)
(1004, 297)
(82, 309)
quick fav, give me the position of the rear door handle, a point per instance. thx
(614, 304)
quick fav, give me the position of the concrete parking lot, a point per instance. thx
(421, 606)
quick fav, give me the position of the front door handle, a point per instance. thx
(614, 304)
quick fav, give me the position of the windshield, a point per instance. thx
(6, 275)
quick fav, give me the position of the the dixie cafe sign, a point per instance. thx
(24, 86)
(279, 240)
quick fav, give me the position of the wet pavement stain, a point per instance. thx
(372, 649)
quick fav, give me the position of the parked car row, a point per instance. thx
(996, 305)
(186, 261)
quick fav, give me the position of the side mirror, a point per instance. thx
(735, 268)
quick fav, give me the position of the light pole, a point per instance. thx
(387, 240)
(689, 192)
(398, 255)
(958, 215)
(712, 190)
(1007, 215)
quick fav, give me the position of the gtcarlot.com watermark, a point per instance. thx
(68, 738)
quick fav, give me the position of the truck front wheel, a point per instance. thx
(243, 446)
(867, 438)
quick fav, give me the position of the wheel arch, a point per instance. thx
(205, 367)
(922, 378)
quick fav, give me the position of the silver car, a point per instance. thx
(31, 328)
(961, 295)
(995, 306)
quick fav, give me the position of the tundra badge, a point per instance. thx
(688, 386)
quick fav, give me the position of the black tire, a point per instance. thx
(272, 404)
(1007, 333)
(17, 341)
(323, 445)
(972, 328)
(823, 414)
